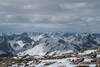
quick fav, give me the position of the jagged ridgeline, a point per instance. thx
(14, 43)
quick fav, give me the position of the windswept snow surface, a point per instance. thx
(98, 55)
(57, 63)
(20, 43)
(18, 46)
(37, 50)
(36, 38)
(58, 53)
(87, 52)
(87, 60)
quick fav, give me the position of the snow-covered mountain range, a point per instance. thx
(38, 43)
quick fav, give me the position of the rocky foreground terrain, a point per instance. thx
(84, 58)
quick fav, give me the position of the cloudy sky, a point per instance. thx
(50, 15)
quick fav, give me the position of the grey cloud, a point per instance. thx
(61, 15)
